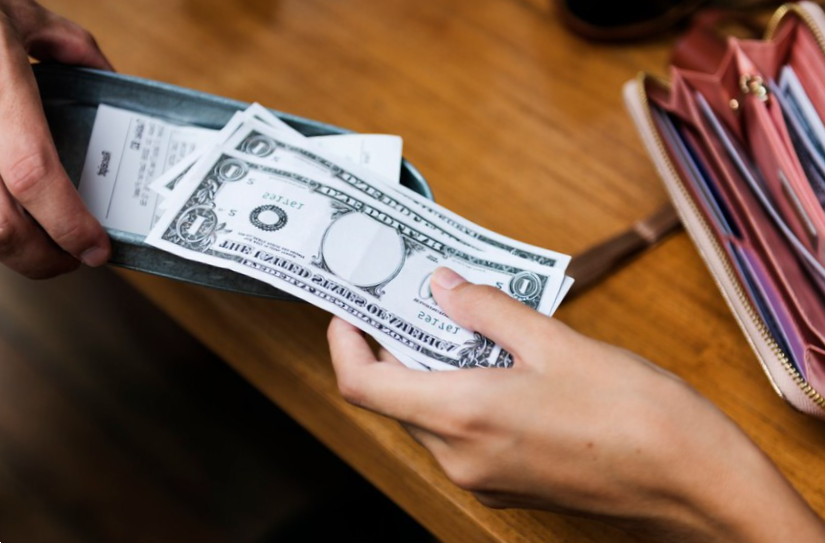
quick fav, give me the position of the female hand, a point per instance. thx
(577, 427)
(45, 229)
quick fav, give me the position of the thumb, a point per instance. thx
(487, 310)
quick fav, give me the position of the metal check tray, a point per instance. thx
(70, 99)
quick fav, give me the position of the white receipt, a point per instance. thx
(127, 151)
(380, 153)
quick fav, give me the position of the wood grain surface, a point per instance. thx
(517, 125)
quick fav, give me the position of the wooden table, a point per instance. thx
(517, 125)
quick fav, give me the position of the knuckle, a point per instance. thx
(29, 176)
(76, 37)
(83, 38)
(465, 474)
(9, 230)
(24, 18)
(347, 386)
(464, 419)
(12, 249)
(479, 297)
(467, 415)
(73, 232)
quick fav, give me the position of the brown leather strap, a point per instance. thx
(592, 265)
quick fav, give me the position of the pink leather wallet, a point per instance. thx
(739, 142)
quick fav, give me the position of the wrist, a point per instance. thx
(756, 504)
(734, 493)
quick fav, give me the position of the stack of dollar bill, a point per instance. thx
(318, 222)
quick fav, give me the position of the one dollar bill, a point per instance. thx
(342, 251)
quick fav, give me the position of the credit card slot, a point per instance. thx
(790, 191)
(806, 58)
(741, 92)
(766, 298)
(773, 277)
(805, 128)
(742, 169)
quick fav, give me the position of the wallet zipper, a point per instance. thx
(769, 340)
(795, 9)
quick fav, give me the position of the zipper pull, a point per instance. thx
(754, 84)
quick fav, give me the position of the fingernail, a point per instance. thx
(447, 278)
(94, 257)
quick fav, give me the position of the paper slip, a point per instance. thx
(379, 153)
(126, 152)
(165, 184)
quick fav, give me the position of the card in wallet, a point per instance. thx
(739, 142)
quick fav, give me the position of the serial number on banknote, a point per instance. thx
(437, 323)
(278, 199)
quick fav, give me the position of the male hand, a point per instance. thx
(45, 229)
(577, 427)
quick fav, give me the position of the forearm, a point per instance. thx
(701, 478)
(736, 494)
(759, 505)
